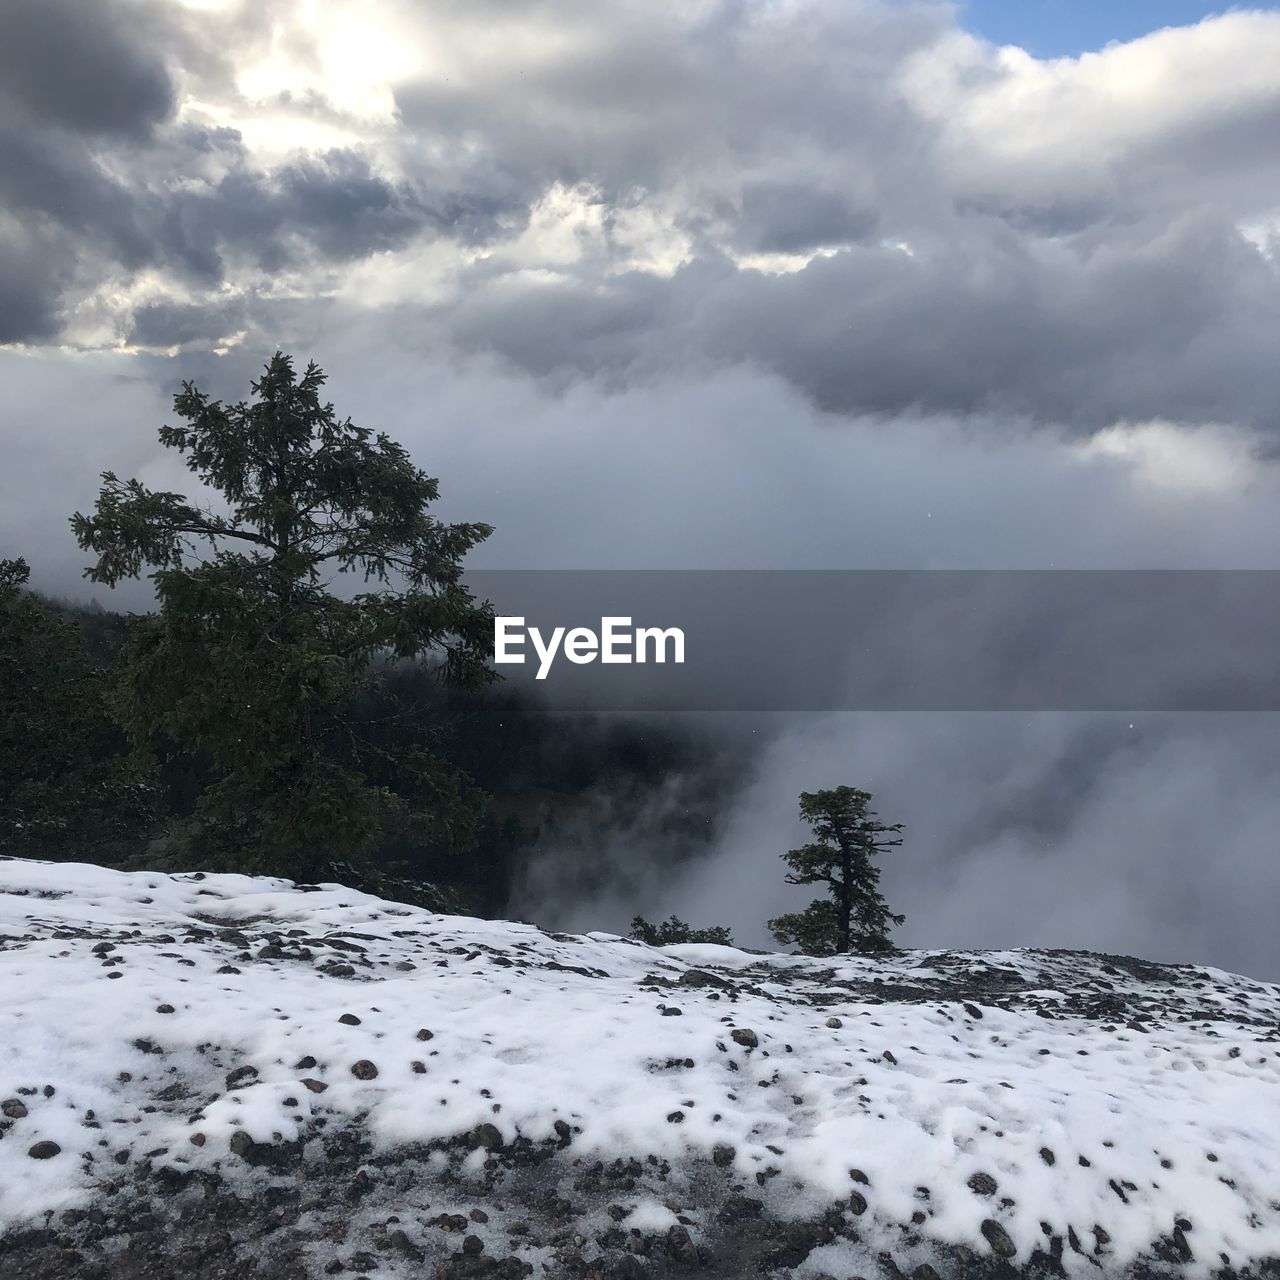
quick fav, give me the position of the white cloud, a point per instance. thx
(1162, 455)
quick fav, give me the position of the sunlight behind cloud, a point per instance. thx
(1165, 455)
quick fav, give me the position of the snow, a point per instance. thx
(1156, 1090)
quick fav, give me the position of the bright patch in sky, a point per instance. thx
(1065, 28)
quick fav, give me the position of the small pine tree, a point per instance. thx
(855, 915)
(673, 931)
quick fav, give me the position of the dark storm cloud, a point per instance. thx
(644, 96)
(332, 205)
(165, 324)
(53, 185)
(1179, 326)
(29, 287)
(93, 68)
(791, 217)
(87, 223)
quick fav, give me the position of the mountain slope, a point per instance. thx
(333, 1061)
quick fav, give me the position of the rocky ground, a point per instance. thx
(335, 1207)
(235, 1079)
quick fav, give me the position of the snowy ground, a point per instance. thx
(1094, 1109)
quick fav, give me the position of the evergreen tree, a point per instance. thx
(253, 664)
(674, 931)
(68, 788)
(855, 915)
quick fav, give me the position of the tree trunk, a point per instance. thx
(844, 902)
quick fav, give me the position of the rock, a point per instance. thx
(723, 1155)
(745, 1037)
(834, 1023)
(982, 1184)
(1177, 1249)
(681, 1248)
(857, 1203)
(701, 978)
(304, 1064)
(239, 1074)
(887, 1055)
(998, 1238)
(401, 1243)
(472, 1246)
(488, 1136)
(973, 1011)
(478, 1215)
(316, 1086)
(1047, 1156)
(364, 1070)
(13, 1109)
(626, 1266)
(424, 1034)
(197, 1139)
(241, 1143)
(740, 1208)
(44, 1151)
(925, 1272)
(164, 1008)
(349, 1020)
(859, 1177)
(418, 1068)
(792, 1244)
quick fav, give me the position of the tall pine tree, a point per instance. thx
(253, 664)
(854, 917)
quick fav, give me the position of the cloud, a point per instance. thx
(725, 469)
(889, 213)
(1150, 838)
(83, 68)
(1175, 327)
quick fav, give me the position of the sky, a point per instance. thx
(1068, 28)
(721, 283)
